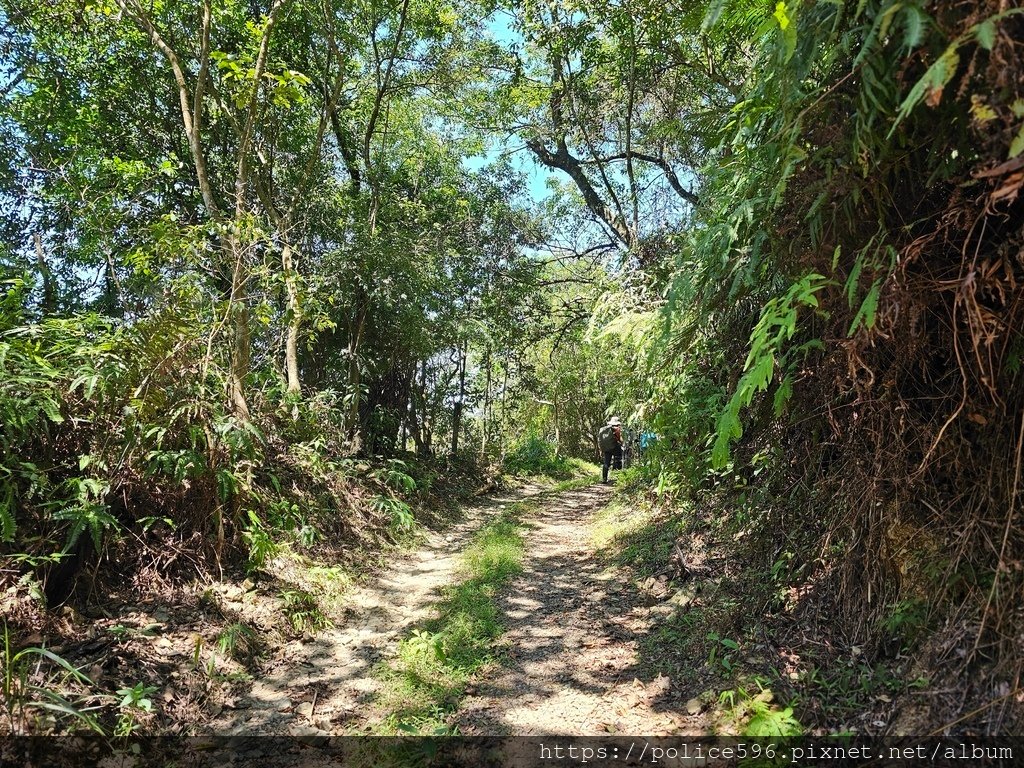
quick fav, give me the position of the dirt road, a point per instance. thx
(570, 646)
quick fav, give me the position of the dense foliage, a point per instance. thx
(273, 269)
(826, 319)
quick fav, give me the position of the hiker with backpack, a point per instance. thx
(609, 439)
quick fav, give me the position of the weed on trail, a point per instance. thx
(426, 681)
(36, 682)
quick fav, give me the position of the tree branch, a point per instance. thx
(188, 116)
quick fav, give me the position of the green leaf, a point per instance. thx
(8, 524)
(886, 20)
(1017, 145)
(854, 279)
(780, 15)
(715, 9)
(52, 410)
(782, 396)
(67, 708)
(761, 374)
(866, 314)
(914, 20)
(728, 427)
(931, 83)
(63, 663)
(772, 723)
(985, 33)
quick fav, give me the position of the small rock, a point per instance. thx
(658, 688)
(278, 703)
(305, 709)
(312, 736)
(684, 596)
(693, 706)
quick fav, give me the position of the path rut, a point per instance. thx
(573, 627)
(325, 685)
(570, 654)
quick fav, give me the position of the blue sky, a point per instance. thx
(522, 160)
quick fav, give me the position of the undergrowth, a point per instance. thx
(539, 457)
(641, 536)
(845, 410)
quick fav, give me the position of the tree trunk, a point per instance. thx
(291, 346)
(355, 379)
(504, 393)
(413, 425)
(423, 443)
(485, 424)
(240, 342)
(458, 407)
(49, 304)
(558, 434)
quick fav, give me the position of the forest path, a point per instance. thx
(326, 684)
(570, 651)
(573, 627)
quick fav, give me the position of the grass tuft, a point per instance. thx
(639, 536)
(424, 685)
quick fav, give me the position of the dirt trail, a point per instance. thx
(572, 627)
(570, 647)
(324, 685)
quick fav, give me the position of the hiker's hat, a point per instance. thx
(614, 421)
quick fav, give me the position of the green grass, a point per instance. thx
(588, 474)
(426, 682)
(641, 536)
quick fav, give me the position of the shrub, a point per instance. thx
(536, 456)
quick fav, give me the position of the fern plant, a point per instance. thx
(777, 326)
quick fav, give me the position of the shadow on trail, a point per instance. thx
(572, 626)
(328, 681)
